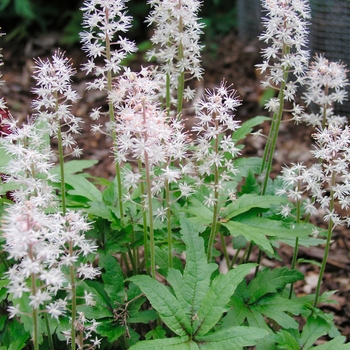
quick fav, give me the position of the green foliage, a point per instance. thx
(197, 302)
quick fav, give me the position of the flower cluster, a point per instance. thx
(332, 183)
(87, 328)
(327, 181)
(215, 148)
(176, 39)
(296, 179)
(55, 96)
(286, 35)
(144, 129)
(40, 243)
(47, 248)
(103, 19)
(28, 170)
(325, 85)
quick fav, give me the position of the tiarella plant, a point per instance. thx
(133, 262)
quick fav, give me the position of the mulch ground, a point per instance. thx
(234, 61)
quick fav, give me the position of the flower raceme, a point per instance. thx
(215, 118)
(176, 44)
(325, 85)
(286, 31)
(143, 127)
(102, 20)
(54, 98)
(176, 35)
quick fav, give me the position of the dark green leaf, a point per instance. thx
(286, 341)
(191, 288)
(111, 330)
(166, 344)
(217, 298)
(234, 338)
(168, 307)
(272, 281)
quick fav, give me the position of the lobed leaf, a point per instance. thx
(191, 288)
(250, 201)
(166, 344)
(83, 187)
(234, 338)
(162, 300)
(336, 343)
(271, 281)
(217, 298)
(251, 234)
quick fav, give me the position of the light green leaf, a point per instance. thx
(334, 344)
(100, 209)
(217, 298)
(251, 234)
(18, 341)
(234, 338)
(199, 212)
(83, 187)
(271, 281)
(74, 166)
(249, 201)
(314, 328)
(245, 165)
(168, 307)
(277, 228)
(166, 344)
(191, 288)
(247, 127)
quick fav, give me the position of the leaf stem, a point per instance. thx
(328, 241)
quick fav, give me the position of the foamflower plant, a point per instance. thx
(180, 248)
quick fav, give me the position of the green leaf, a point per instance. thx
(101, 210)
(272, 281)
(334, 344)
(191, 288)
(111, 330)
(200, 214)
(279, 308)
(251, 234)
(315, 327)
(74, 166)
(157, 333)
(83, 187)
(246, 165)
(250, 201)
(113, 279)
(286, 341)
(19, 341)
(168, 307)
(217, 298)
(251, 184)
(166, 344)
(234, 338)
(4, 4)
(145, 316)
(247, 127)
(24, 9)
